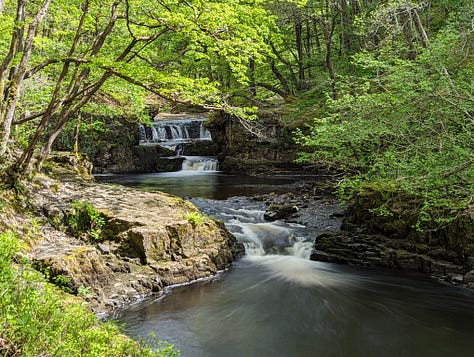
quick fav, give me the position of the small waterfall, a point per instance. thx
(260, 237)
(200, 163)
(174, 131)
(176, 135)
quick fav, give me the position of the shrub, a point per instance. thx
(86, 219)
(194, 218)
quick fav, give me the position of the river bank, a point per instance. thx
(134, 243)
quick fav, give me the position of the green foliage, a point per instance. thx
(84, 219)
(36, 319)
(407, 123)
(83, 291)
(195, 218)
(112, 58)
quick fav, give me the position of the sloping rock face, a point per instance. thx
(392, 241)
(149, 240)
(243, 152)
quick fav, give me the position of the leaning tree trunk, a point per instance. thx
(17, 80)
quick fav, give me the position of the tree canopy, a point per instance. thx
(60, 58)
(385, 86)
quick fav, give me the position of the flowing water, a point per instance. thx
(175, 135)
(275, 302)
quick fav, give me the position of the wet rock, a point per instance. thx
(381, 251)
(469, 277)
(276, 211)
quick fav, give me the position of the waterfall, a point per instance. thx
(176, 135)
(200, 163)
(174, 131)
(261, 238)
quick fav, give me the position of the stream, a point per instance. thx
(275, 302)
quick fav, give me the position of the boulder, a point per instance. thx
(146, 243)
(279, 211)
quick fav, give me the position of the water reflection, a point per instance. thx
(205, 184)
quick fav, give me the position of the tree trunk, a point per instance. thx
(299, 49)
(76, 136)
(253, 88)
(2, 4)
(17, 80)
(275, 70)
(281, 79)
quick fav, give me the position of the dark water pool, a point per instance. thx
(275, 302)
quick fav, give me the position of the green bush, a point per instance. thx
(407, 125)
(37, 319)
(85, 219)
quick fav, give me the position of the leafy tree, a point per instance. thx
(407, 122)
(152, 45)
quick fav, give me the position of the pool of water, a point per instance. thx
(275, 302)
(207, 184)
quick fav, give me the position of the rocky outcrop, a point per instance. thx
(392, 240)
(134, 159)
(149, 240)
(263, 146)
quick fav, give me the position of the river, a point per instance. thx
(275, 302)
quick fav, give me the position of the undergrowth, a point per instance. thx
(37, 319)
(85, 219)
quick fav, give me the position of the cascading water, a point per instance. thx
(199, 163)
(175, 135)
(281, 248)
(276, 303)
(172, 132)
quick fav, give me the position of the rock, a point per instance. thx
(147, 242)
(103, 248)
(276, 211)
(117, 149)
(377, 251)
(455, 278)
(469, 277)
(241, 151)
(392, 241)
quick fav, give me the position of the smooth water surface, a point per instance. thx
(275, 302)
(285, 306)
(206, 184)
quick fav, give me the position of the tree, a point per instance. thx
(14, 66)
(135, 41)
(405, 123)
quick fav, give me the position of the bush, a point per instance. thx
(85, 219)
(37, 319)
